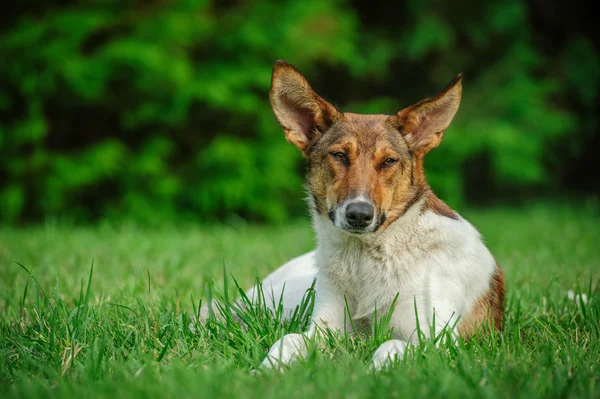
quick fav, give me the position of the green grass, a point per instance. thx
(123, 329)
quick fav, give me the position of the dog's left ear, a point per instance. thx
(424, 123)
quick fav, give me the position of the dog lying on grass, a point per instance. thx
(385, 242)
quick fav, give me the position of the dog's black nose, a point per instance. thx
(360, 214)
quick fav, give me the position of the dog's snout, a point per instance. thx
(360, 214)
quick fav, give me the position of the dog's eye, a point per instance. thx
(388, 162)
(340, 156)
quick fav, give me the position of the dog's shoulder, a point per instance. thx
(451, 229)
(450, 245)
(425, 230)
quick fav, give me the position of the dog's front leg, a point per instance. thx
(404, 324)
(328, 313)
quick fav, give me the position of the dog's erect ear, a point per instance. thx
(424, 123)
(301, 112)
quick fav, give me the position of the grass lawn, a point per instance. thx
(124, 331)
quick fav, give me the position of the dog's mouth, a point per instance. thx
(355, 231)
(361, 231)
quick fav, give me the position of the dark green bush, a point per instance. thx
(157, 109)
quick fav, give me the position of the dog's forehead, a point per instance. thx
(367, 131)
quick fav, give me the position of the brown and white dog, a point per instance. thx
(380, 230)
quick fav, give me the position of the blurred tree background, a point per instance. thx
(159, 109)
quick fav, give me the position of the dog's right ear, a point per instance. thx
(301, 112)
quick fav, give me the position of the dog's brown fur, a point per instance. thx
(488, 311)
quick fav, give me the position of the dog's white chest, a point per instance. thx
(418, 263)
(372, 277)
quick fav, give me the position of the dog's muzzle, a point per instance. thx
(357, 215)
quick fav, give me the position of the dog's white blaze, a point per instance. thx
(438, 263)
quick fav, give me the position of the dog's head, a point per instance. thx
(364, 171)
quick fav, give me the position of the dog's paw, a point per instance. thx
(387, 353)
(285, 351)
(578, 298)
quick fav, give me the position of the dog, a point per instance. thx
(383, 237)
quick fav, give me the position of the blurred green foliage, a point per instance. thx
(158, 109)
